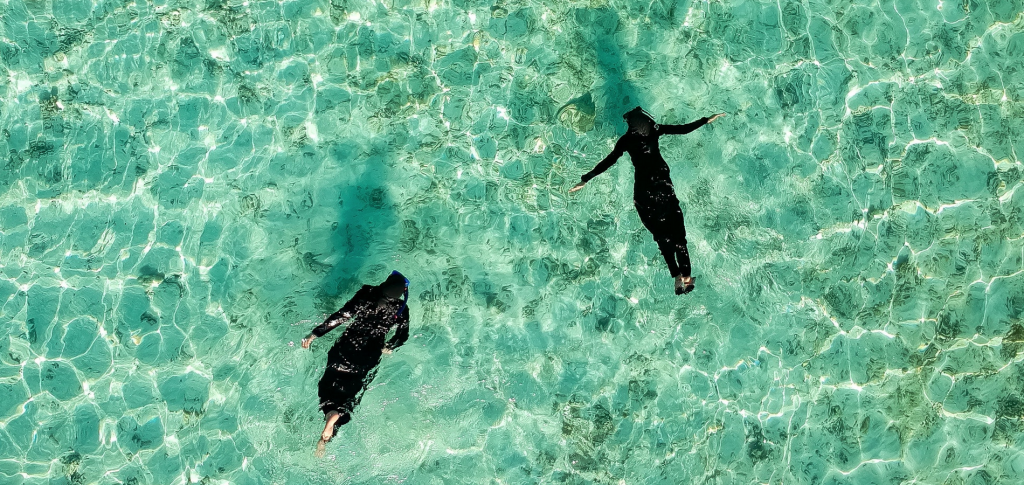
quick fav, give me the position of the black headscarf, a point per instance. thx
(640, 121)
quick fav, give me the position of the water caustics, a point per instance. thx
(188, 187)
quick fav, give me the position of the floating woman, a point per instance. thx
(653, 194)
(373, 312)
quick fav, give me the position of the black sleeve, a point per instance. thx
(401, 333)
(682, 129)
(339, 317)
(607, 162)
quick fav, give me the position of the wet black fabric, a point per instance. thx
(355, 355)
(653, 194)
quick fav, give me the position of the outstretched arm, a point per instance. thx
(601, 166)
(334, 321)
(684, 129)
(337, 318)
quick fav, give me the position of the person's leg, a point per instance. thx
(684, 284)
(668, 250)
(682, 256)
(665, 222)
(332, 418)
(684, 281)
(655, 224)
(671, 239)
(332, 421)
(339, 394)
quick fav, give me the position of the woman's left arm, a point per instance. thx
(689, 127)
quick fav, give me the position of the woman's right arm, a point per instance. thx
(602, 165)
(334, 321)
(337, 318)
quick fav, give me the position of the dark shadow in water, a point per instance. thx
(365, 217)
(613, 94)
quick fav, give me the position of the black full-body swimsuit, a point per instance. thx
(653, 194)
(352, 359)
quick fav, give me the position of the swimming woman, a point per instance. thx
(653, 194)
(373, 312)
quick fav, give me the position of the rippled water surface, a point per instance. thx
(188, 187)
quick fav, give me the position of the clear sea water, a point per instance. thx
(188, 187)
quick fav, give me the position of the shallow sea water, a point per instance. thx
(188, 187)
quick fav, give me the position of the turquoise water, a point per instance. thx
(189, 187)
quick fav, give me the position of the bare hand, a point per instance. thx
(321, 448)
(307, 341)
(577, 187)
(715, 117)
(387, 351)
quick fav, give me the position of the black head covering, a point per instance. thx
(640, 121)
(394, 286)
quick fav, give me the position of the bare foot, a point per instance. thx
(684, 284)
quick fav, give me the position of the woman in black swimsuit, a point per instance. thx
(653, 194)
(373, 312)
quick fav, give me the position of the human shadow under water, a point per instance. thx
(365, 218)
